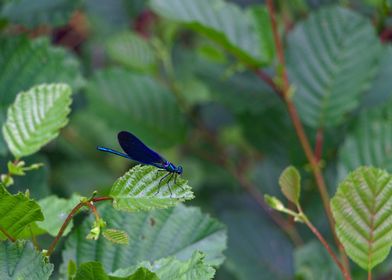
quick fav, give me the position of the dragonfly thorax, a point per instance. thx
(172, 168)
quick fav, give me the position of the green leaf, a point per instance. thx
(290, 183)
(20, 260)
(116, 236)
(140, 189)
(362, 211)
(332, 57)
(43, 12)
(249, 256)
(126, 100)
(132, 51)
(17, 211)
(36, 117)
(369, 142)
(91, 271)
(273, 202)
(141, 274)
(42, 63)
(170, 268)
(95, 271)
(177, 232)
(55, 211)
(381, 88)
(249, 38)
(313, 262)
(239, 91)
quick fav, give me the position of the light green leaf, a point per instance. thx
(17, 211)
(140, 190)
(36, 117)
(369, 142)
(42, 63)
(176, 232)
(170, 268)
(249, 38)
(313, 262)
(20, 260)
(95, 271)
(43, 12)
(332, 57)
(131, 50)
(116, 236)
(290, 183)
(55, 211)
(129, 101)
(362, 211)
(273, 202)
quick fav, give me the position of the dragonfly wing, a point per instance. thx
(136, 150)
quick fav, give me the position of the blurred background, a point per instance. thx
(136, 66)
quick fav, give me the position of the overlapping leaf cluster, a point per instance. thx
(186, 76)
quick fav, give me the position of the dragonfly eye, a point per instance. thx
(179, 169)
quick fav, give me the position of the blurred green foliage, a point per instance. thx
(182, 76)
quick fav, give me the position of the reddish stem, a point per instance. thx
(69, 218)
(285, 92)
(63, 227)
(103, 198)
(344, 271)
(318, 149)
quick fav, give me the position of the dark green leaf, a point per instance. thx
(369, 143)
(249, 38)
(20, 260)
(332, 57)
(249, 256)
(132, 51)
(43, 12)
(25, 63)
(170, 268)
(313, 262)
(129, 101)
(152, 235)
(17, 211)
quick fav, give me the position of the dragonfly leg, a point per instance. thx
(168, 184)
(160, 182)
(175, 182)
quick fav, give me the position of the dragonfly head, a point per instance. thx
(179, 170)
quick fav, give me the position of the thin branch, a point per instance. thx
(63, 227)
(318, 149)
(69, 218)
(93, 209)
(9, 236)
(286, 225)
(268, 80)
(103, 198)
(342, 268)
(285, 91)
